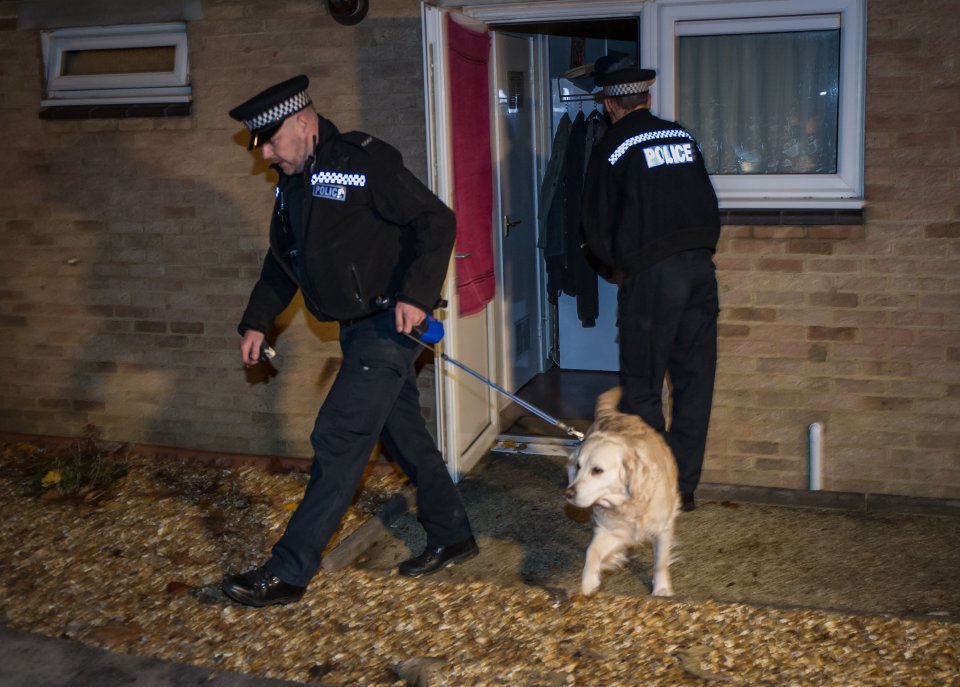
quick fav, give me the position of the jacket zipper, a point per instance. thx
(297, 254)
(358, 292)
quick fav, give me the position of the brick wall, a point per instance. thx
(858, 328)
(128, 248)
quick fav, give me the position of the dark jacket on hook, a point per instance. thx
(578, 278)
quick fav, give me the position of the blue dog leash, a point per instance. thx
(430, 332)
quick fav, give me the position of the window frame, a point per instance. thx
(121, 88)
(666, 20)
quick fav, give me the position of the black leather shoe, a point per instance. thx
(258, 587)
(437, 558)
(687, 502)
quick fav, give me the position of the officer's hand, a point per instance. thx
(408, 316)
(250, 347)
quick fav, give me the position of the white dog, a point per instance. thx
(626, 472)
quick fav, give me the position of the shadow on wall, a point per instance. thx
(156, 267)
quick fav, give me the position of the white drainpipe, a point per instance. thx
(815, 454)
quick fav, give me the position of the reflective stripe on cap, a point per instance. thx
(278, 112)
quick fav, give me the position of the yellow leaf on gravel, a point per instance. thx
(52, 477)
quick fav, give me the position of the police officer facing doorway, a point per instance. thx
(650, 216)
(352, 229)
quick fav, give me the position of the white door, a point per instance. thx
(468, 419)
(515, 156)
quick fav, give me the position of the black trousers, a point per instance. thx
(668, 323)
(374, 396)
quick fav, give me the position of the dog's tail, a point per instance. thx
(607, 401)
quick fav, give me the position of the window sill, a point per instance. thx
(791, 217)
(116, 111)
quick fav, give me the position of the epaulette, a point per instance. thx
(374, 146)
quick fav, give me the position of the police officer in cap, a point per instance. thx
(650, 216)
(367, 245)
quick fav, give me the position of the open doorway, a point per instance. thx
(562, 361)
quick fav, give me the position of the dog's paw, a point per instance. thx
(590, 584)
(663, 589)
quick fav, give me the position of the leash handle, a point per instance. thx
(430, 331)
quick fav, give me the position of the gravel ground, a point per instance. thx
(135, 569)
(903, 564)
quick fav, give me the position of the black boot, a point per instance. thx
(687, 502)
(258, 587)
(437, 558)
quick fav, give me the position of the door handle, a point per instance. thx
(508, 224)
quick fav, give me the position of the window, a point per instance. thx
(773, 90)
(109, 65)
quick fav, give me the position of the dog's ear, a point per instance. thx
(626, 478)
(573, 465)
(635, 472)
(628, 469)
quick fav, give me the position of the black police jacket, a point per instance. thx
(647, 195)
(356, 226)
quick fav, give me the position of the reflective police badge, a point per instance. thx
(330, 192)
(333, 185)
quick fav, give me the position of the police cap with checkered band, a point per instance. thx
(627, 81)
(264, 113)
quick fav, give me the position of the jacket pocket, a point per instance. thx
(383, 359)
